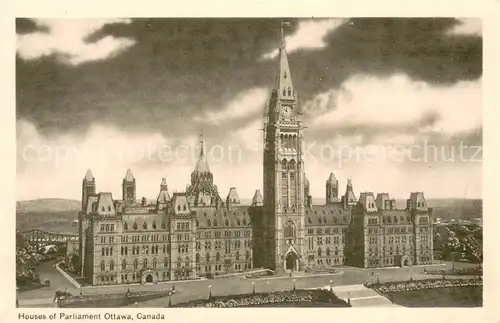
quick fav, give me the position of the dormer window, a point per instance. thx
(178, 207)
(184, 207)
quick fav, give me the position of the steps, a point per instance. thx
(361, 296)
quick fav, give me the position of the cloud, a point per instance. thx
(68, 40)
(398, 100)
(245, 104)
(467, 26)
(310, 34)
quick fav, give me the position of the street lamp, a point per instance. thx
(210, 291)
(331, 285)
(169, 299)
(294, 284)
(378, 278)
(253, 287)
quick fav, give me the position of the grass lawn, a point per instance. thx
(440, 297)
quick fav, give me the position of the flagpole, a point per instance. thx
(282, 38)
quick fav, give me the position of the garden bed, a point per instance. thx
(295, 298)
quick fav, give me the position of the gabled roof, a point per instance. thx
(105, 205)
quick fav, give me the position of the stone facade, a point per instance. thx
(197, 233)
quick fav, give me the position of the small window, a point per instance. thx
(135, 225)
(154, 224)
(184, 207)
(215, 223)
(125, 226)
(227, 222)
(145, 226)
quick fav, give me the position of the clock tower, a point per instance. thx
(284, 225)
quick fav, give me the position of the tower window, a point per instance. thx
(284, 92)
(289, 91)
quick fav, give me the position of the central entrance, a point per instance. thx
(291, 261)
(149, 278)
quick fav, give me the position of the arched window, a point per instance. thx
(207, 257)
(111, 265)
(163, 226)
(291, 165)
(238, 222)
(125, 226)
(237, 255)
(290, 230)
(209, 223)
(283, 164)
(215, 223)
(327, 251)
(186, 261)
(197, 223)
(145, 263)
(217, 256)
(284, 92)
(145, 225)
(178, 207)
(155, 263)
(244, 221)
(154, 224)
(103, 265)
(124, 264)
(227, 222)
(165, 262)
(136, 263)
(247, 255)
(103, 250)
(197, 258)
(289, 91)
(319, 251)
(135, 225)
(102, 209)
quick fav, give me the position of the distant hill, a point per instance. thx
(48, 205)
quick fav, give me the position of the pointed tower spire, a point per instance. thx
(201, 164)
(89, 176)
(285, 85)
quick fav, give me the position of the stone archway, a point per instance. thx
(149, 278)
(291, 261)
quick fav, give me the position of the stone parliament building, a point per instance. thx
(197, 233)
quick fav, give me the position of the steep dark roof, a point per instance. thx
(211, 217)
(330, 214)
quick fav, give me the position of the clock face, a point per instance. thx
(287, 111)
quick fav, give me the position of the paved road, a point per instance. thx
(235, 285)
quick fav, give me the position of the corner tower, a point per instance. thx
(129, 188)
(284, 180)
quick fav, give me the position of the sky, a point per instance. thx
(393, 104)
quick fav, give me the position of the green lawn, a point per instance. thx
(440, 297)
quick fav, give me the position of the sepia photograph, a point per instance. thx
(248, 162)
